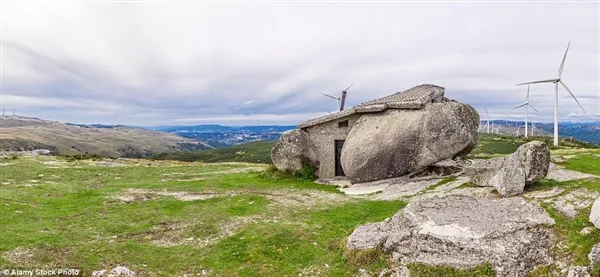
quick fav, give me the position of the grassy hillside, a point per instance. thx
(66, 139)
(167, 218)
(493, 144)
(252, 152)
(173, 218)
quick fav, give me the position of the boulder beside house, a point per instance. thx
(382, 138)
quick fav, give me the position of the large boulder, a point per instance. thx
(513, 235)
(293, 151)
(509, 175)
(595, 214)
(396, 142)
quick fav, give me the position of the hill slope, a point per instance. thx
(68, 139)
(252, 152)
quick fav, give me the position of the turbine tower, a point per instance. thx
(526, 105)
(556, 81)
(488, 120)
(342, 99)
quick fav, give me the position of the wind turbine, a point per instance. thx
(488, 120)
(342, 99)
(526, 105)
(518, 132)
(555, 81)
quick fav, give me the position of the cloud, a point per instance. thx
(252, 63)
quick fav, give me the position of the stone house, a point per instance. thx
(328, 133)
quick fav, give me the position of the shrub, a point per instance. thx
(307, 172)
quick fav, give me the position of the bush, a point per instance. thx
(93, 157)
(307, 172)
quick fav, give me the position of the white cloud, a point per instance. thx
(243, 60)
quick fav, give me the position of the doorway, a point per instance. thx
(339, 171)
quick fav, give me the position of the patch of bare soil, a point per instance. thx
(172, 233)
(560, 174)
(235, 170)
(140, 195)
(304, 198)
(20, 255)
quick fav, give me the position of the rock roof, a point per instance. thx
(413, 98)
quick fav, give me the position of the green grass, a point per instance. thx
(567, 229)
(585, 162)
(493, 144)
(444, 181)
(252, 152)
(258, 224)
(67, 217)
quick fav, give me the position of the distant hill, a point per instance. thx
(223, 136)
(586, 131)
(25, 133)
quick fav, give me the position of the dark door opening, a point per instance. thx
(339, 171)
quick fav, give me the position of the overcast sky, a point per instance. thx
(165, 63)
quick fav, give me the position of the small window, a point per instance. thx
(343, 124)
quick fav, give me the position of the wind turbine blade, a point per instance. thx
(520, 106)
(572, 95)
(336, 98)
(534, 108)
(486, 111)
(528, 92)
(349, 87)
(562, 64)
(537, 82)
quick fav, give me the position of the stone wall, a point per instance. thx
(323, 137)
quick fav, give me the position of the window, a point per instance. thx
(343, 124)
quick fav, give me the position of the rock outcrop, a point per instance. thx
(509, 175)
(293, 151)
(595, 213)
(514, 236)
(368, 236)
(396, 142)
(594, 255)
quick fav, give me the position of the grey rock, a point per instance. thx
(575, 201)
(595, 213)
(560, 174)
(511, 234)
(586, 231)
(99, 273)
(509, 175)
(578, 271)
(594, 255)
(541, 194)
(293, 151)
(121, 271)
(396, 142)
(368, 236)
(41, 152)
(401, 190)
(401, 271)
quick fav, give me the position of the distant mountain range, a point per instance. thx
(583, 131)
(223, 136)
(27, 133)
